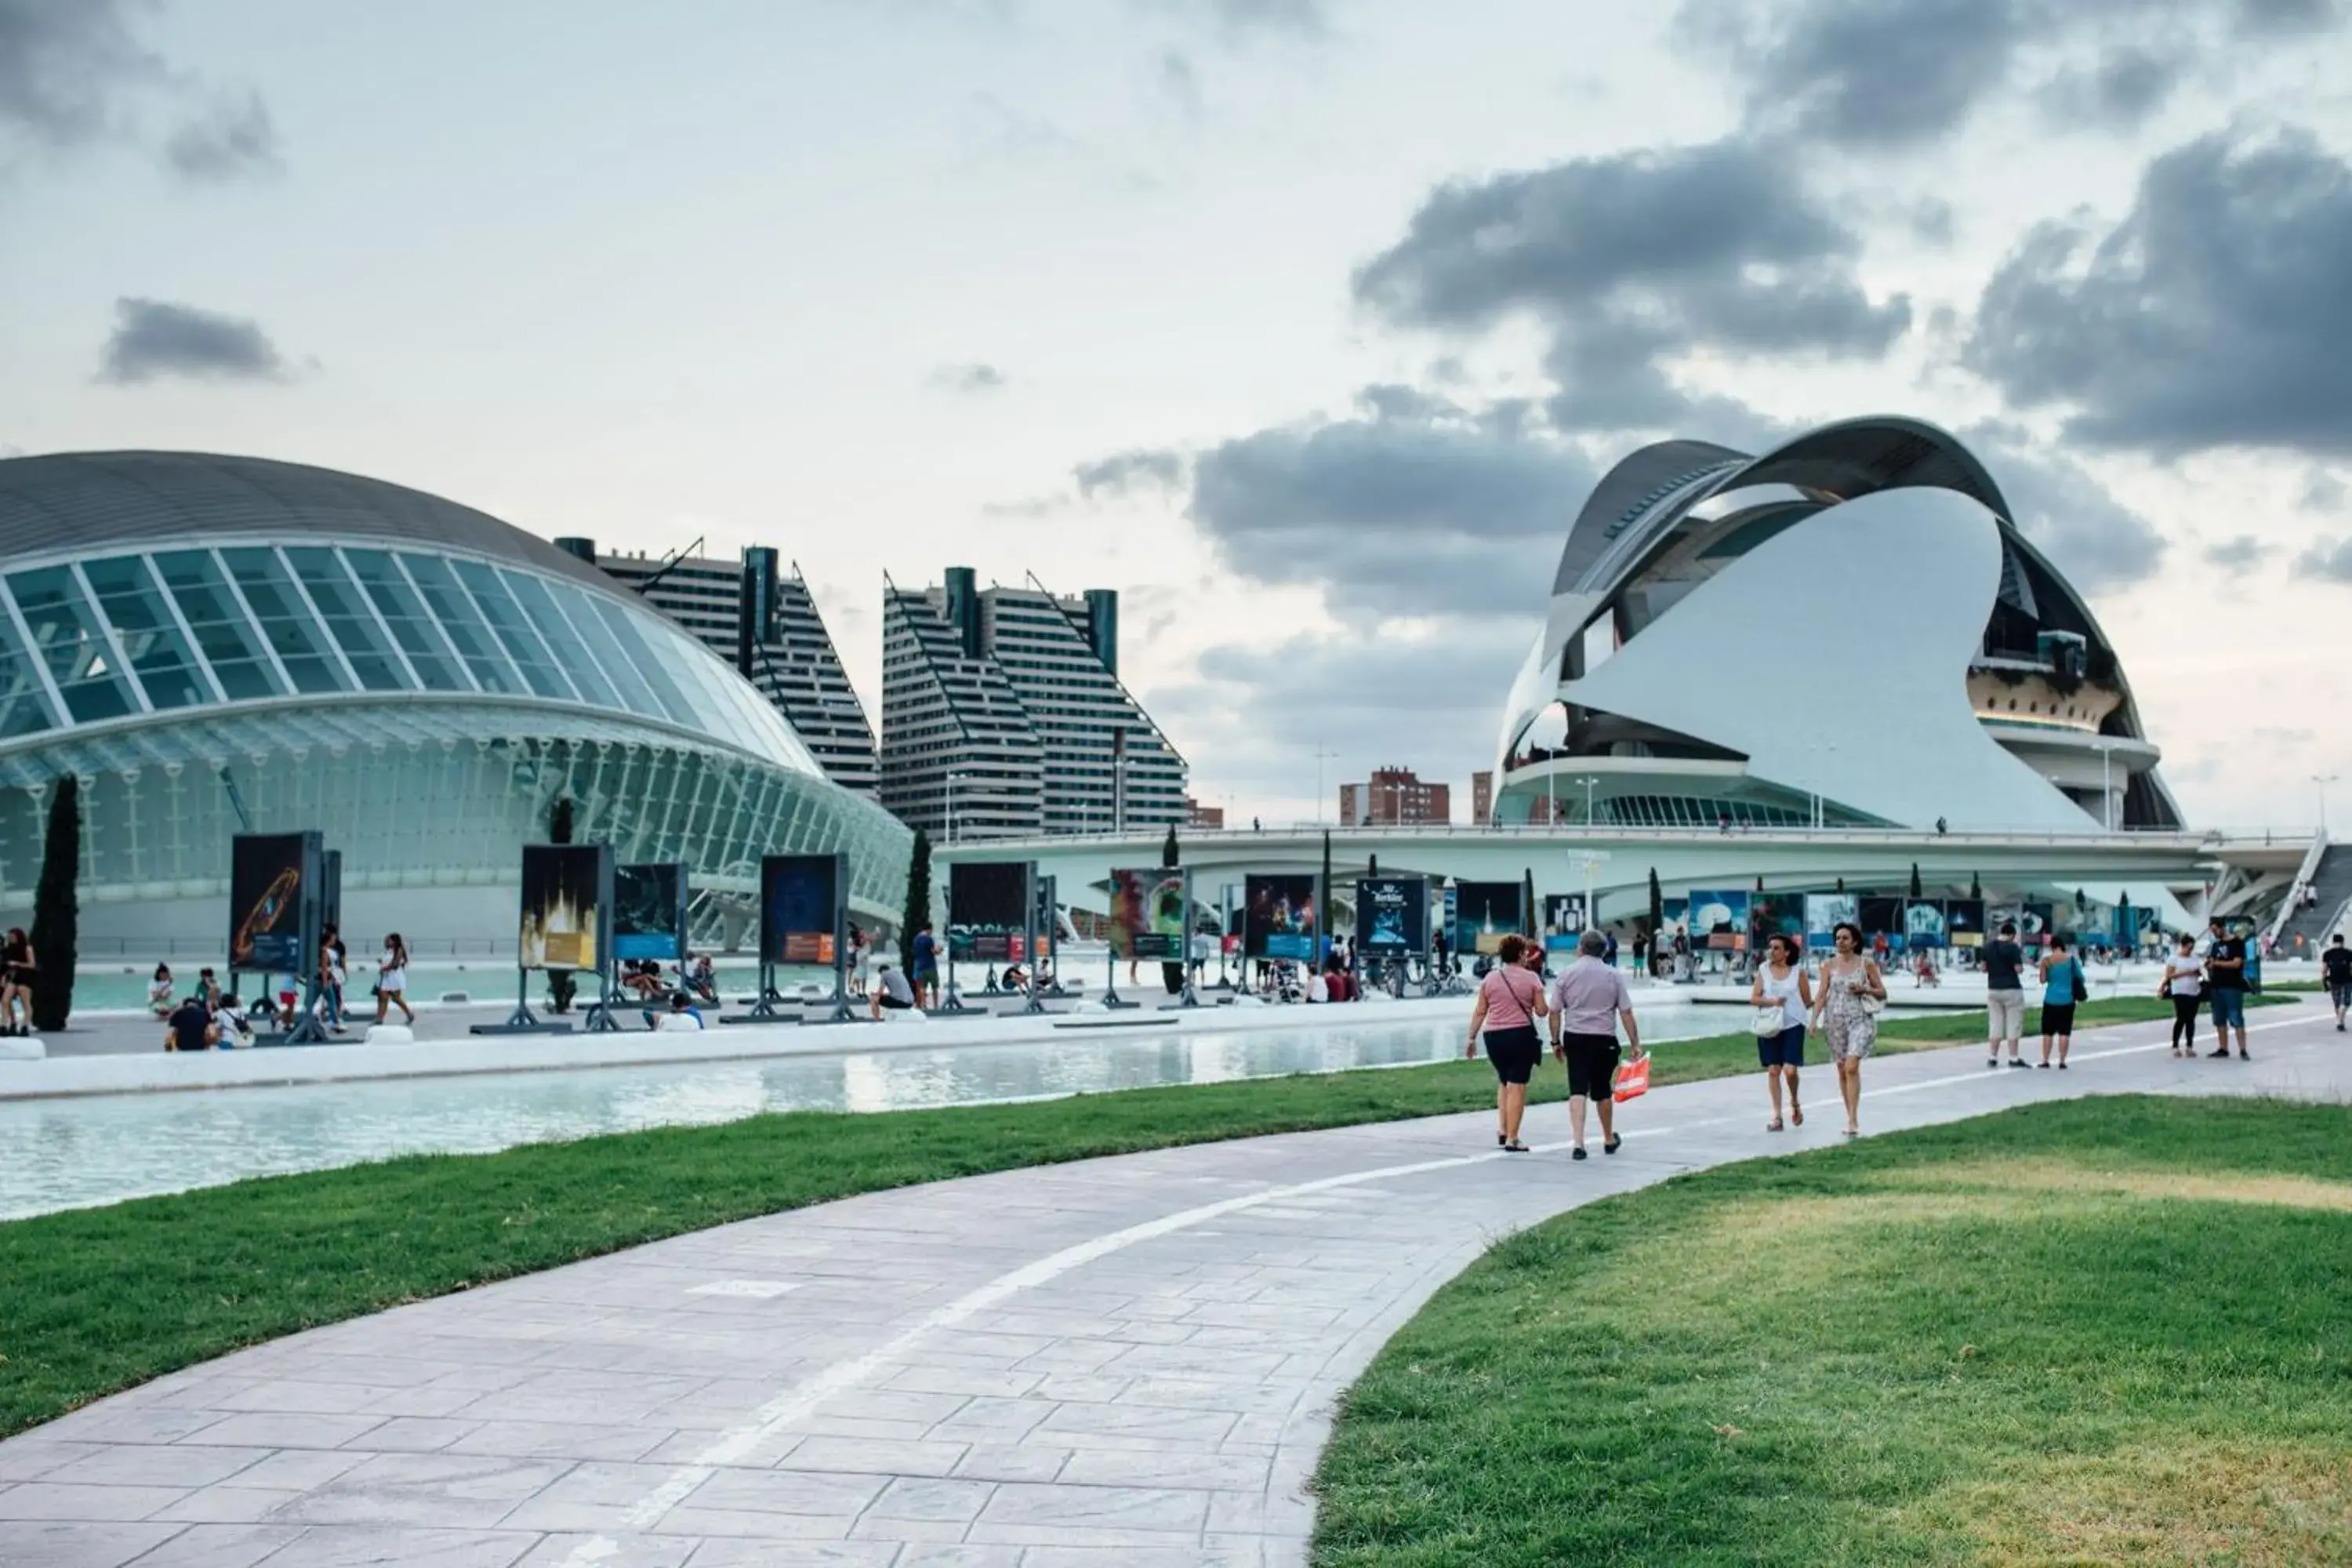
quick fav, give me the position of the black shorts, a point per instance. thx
(888, 1001)
(1514, 1052)
(2058, 1018)
(1786, 1048)
(1591, 1063)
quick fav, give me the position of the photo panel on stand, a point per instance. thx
(1719, 921)
(1563, 921)
(1825, 912)
(988, 910)
(798, 895)
(272, 879)
(1147, 914)
(1391, 916)
(564, 887)
(1279, 917)
(1483, 914)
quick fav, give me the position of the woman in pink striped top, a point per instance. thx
(1510, 1000)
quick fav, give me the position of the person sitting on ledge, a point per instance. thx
(890, 989)
(190, 1027)
(702, 980)
(682, 1005)
(1016, 978)
(232, 1025)
(159, 992)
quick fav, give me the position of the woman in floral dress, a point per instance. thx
(1850, 991)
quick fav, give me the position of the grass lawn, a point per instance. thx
(2110, 1331)
(98, 1299)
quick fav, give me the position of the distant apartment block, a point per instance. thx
(1003, 715)
(1206, 816)
(1482, 796)
(1392, 796)
(791, 656)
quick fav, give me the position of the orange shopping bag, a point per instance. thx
(1632, 1079)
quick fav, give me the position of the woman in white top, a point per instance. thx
(392, 979)
(2184, 981)
(1781, 982)
(159, 992)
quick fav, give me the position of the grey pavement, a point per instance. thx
(1129, 1360)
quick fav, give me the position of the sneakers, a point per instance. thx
(2045, 1067)
(1995, 1061)
(1577, 1153)
(2018, 1062)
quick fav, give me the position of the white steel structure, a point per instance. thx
(1847, 630)
(216, 644)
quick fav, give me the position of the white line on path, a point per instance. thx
(779, 1413)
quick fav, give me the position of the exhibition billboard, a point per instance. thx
(1923, 923)
(1391, 916)
(1825, 912)
(799, 908)
(1149, 910)
(1719, 921)
(273, 896)
(988, 910)
(1563, 921)
(1485, 913)
(1279, 917)
(1964, 922)
(567, 892)
(649, 912)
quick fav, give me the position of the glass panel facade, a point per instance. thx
(569, 651)
(635, 694)
(669, 701)
(286, 621)
(227, 640)
(24, 706)
(67, 637)
(514, 633)
(463, 624)
(346, 615)
(412, 625)
(150, 639)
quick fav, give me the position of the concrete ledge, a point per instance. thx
(276, 1066)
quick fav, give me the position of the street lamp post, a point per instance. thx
(2323, 781)
(2106, 785)
(1321, 755)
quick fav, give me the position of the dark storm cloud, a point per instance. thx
(1881, 75)
(1429, 513)
(2214, 315)
(2323, 491)
(63, 63)
(1138, 471)
(2098, 542)
(2330, 559)
(2237, 556)
(1632, 260)
(232, 139)
(2122, 88)
(971, 379)
(153, 339)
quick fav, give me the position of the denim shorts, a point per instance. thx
(2228, 1008)
(1785, 1049)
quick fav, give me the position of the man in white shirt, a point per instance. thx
(1588, 1002)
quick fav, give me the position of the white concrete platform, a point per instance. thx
(1127, 1361)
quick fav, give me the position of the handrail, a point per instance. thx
(2303, 879)
(2213, 841)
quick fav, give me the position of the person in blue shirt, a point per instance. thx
(925, 959)
(2063, 986)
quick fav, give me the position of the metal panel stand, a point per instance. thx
(522, 1021)
(599, 1019)
(763, 1005)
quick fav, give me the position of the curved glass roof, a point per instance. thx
(112, 638)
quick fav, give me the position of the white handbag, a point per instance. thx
(1769, 1022)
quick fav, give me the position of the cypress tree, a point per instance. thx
(561, 986)
(918, 896)
(1171, 975)
(1976, 886)
(1657, 904)
(56, 910)
(1917, 891)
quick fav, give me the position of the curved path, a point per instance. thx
(1125, 1361)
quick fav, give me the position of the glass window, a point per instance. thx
(412, 625)
(143, 624)
(572, 654)
(67, 637)
(347, 616)
(618, 666)
(514, 634)
(225, 638)
(669, 702)
(24, 706)
(301, 642)
(462, 624)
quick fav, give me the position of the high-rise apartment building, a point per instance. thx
(1482, 797)
(1394, 795)
(1003, 715)
(791, 656)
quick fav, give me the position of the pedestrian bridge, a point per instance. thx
(2175, 872)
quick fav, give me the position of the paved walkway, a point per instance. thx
(1127, 1361)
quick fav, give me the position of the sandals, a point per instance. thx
(1796, 1114)
(1515, 1148)
(1773, 1125)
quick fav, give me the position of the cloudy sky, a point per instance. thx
(1305, 323)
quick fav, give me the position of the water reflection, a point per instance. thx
(74, 1152)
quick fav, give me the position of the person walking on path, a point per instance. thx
(924, 955)
(1509, 1002)
(1852, 990)
(2004, 962)
(16, 974)
(1588, 1002)
(1781, 982)
(392, 979)
(2063, 986)
(2225, 983)
(2335, 969)
(2184, 981)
